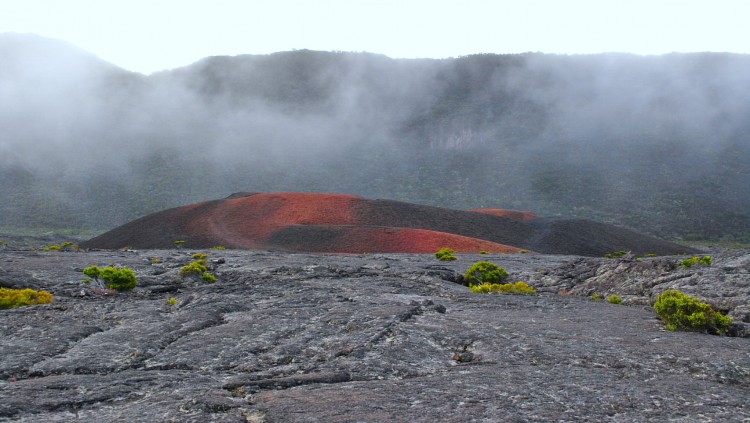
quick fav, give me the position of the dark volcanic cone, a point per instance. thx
(367, 239)
(519, 215)
(336, 223)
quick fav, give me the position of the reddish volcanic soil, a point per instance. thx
(249, 221)
(337, 223)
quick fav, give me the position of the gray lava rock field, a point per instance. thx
(368, 338)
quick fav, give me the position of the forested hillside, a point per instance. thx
(657, 143)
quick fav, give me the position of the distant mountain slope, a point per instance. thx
(656, 143)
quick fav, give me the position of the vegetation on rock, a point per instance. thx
(65, 246)
(506, 288)
(445, 254)
(198, 268)
(704, 261)
(484, 272)
(112, 277)
(614, 299)
(12, 298)
(683, 312)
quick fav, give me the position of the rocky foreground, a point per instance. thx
(368, 338)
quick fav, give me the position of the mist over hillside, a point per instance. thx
(656, 143)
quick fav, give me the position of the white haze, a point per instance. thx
(87, 131)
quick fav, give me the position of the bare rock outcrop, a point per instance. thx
(384, 337)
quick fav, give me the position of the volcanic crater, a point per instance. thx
(340, 223)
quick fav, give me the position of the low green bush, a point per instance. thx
(614, 299)
(65, 246)
(112, 277)
(704, 261)
(683, 312)
(12, 298)
(445, 254)
(616, 254)
(484, 272)
(506, 288)
(596, 297)
(198, 268)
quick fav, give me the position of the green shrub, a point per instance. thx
(683, 312)
(179, 243)
(65, 246)
(112, 277)
(12, 298)
(614, 299)
(445, 254)
(483, 252)
(121, 279)
(704, 261)
(596, 297)
(506, 288)
(172, 301)
(197, 267)
(484, 272)
(219, 247)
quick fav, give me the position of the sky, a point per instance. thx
(151, 35)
